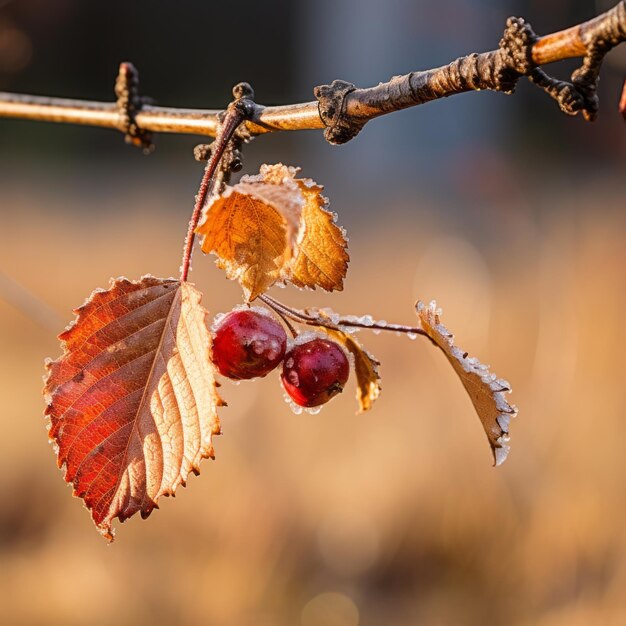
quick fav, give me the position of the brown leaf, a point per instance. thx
(365, 367)
(322, 258)
(253, 228)
(485, 390)
(132, 400)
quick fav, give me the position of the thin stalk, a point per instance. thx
(283, 317)
(303, 317)
(234, 116)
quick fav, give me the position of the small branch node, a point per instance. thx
(567, 96)
(581, 94)
(586, 77)
(243, 90)
(202, 152)
(340, 127)
(515, 57)
(232, 157)
(243, 95)
(129, 104)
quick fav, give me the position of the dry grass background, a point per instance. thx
(395, 517)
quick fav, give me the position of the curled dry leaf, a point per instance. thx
(132, 402)
(253, 228)
(486, 391)
(322, 257)
(365, 367)
(274, 227)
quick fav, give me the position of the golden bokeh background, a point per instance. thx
(393, 517)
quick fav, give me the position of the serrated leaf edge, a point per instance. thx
(209, 453)
(498, 386)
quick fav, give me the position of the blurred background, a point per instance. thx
(507, 212)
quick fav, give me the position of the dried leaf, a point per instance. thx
(485, 390)
(322, 258)
(274, 227)
(132, 401)
(365, 367)
(253, 228)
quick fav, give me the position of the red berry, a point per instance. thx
(315, 371)
(248, 343)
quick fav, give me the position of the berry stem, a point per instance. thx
(234, 116)
(273, 305)
(318, 318)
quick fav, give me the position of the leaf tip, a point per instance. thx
(500, 454)
(106, 531)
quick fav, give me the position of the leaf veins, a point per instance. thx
(322, 258)
(486, 391)
(253, 228)
(274, 227)
(132, 402)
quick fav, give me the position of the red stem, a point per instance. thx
(281, 314)
(302, 317)
(234, 116)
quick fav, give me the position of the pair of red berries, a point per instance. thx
(249, 343)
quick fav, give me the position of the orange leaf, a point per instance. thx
(322, 258)
(485, 390)
(253, 228)
(274, 227)
(132, 400)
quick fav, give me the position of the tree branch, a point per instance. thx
(342, 109)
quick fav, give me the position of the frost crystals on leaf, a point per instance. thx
(253, 228)
(274, 227)
(322, 258)
(486, 391)
(132, 402)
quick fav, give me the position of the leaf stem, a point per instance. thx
(283, 316)
(235, 114)
(315, 317)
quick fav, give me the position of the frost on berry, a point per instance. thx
(247, 343)
(365, 365)
(314, 371)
